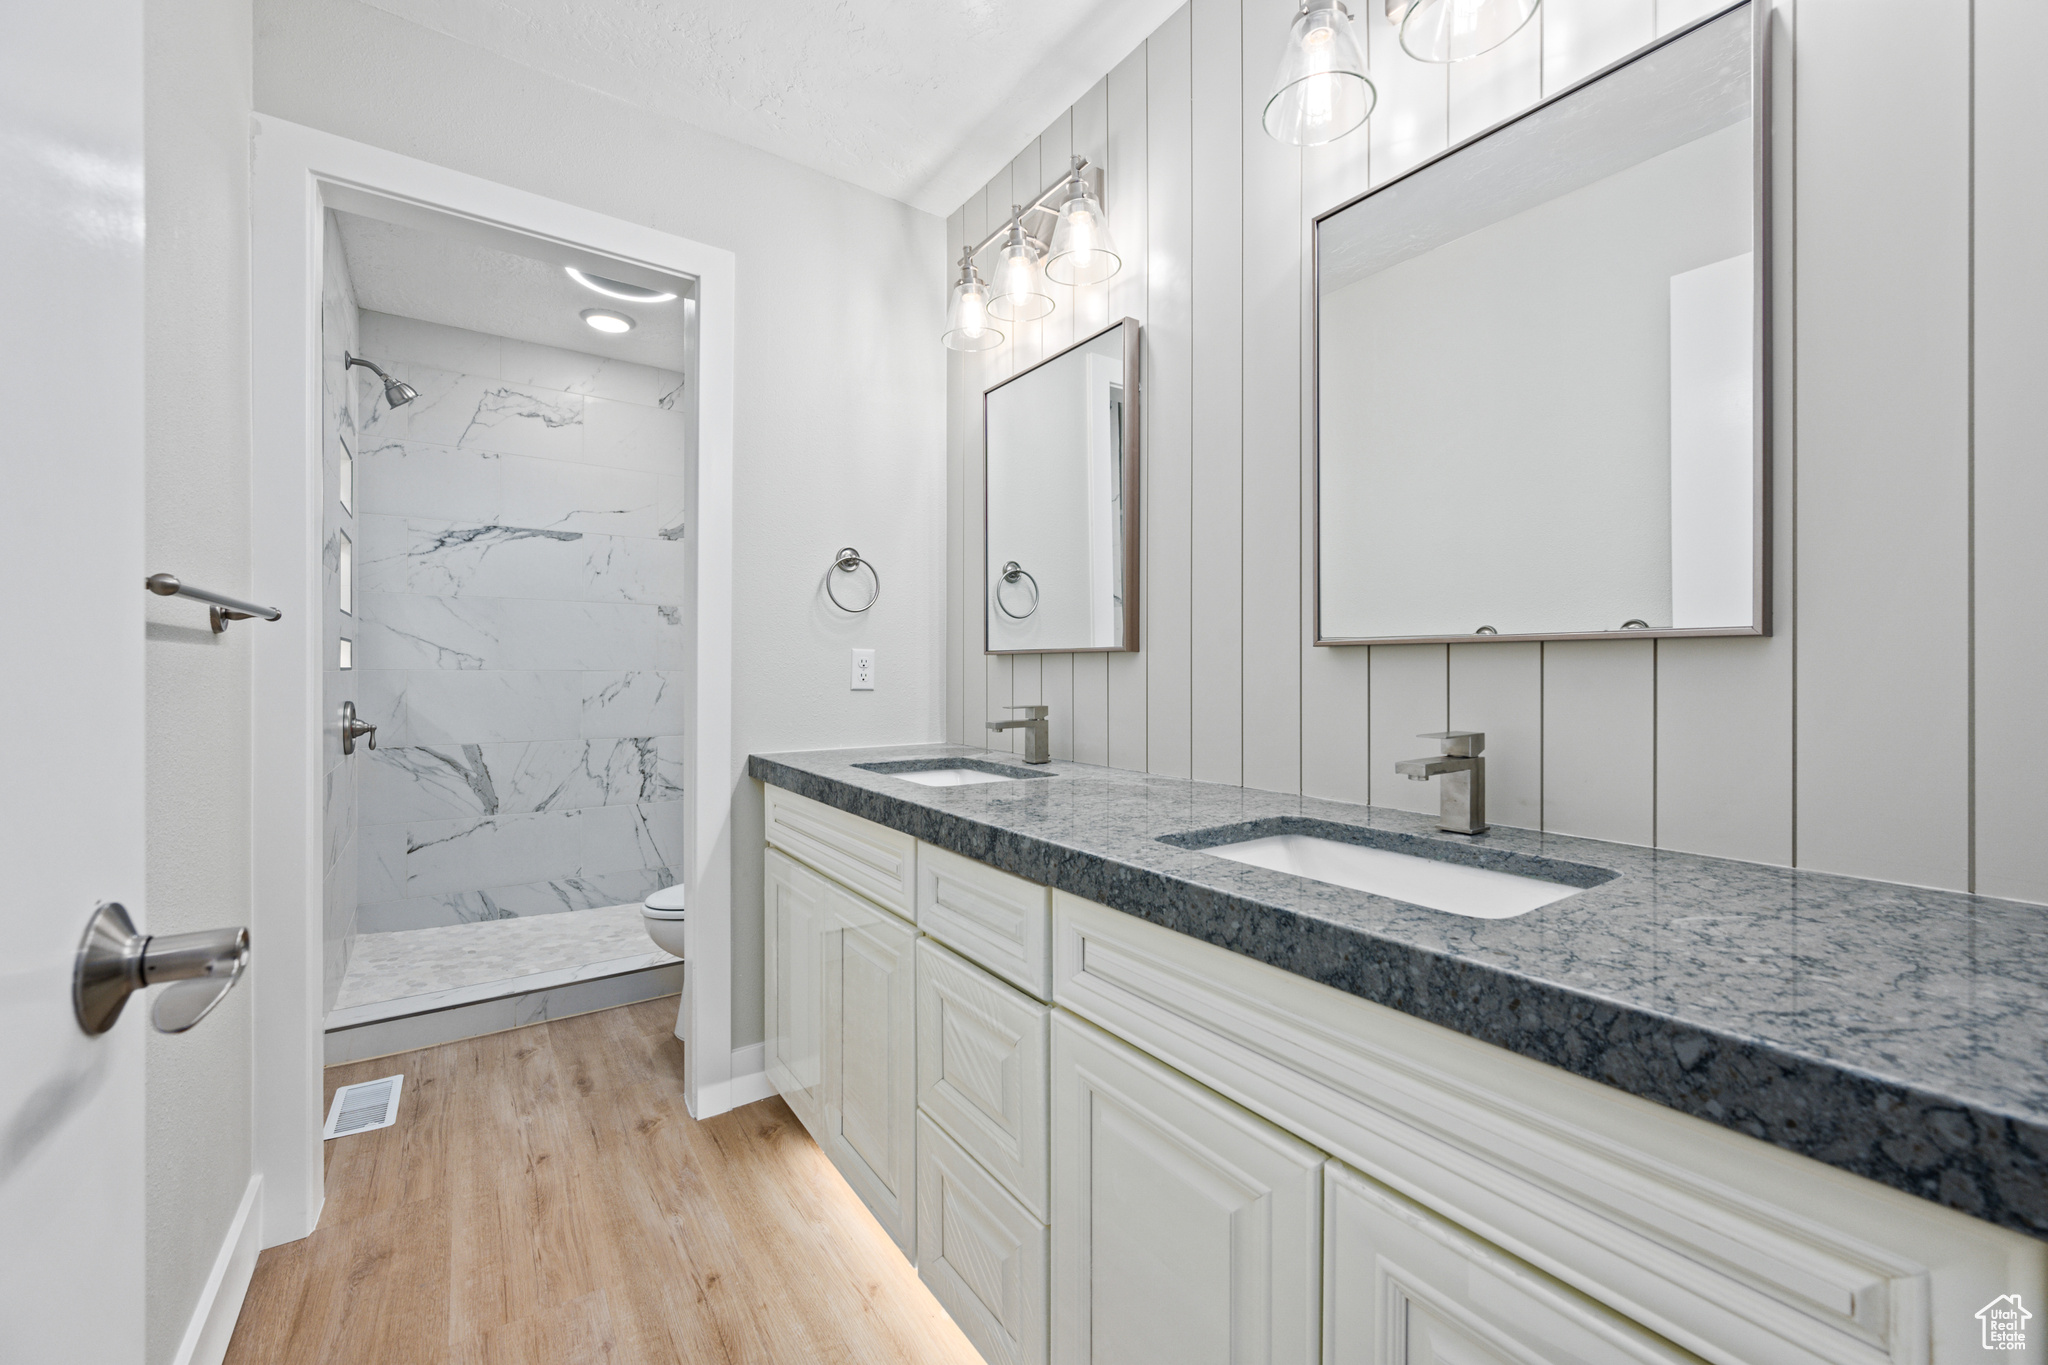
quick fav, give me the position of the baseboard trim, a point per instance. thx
(749, 1075)
(220, 1303)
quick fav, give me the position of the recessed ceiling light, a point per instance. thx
(614, 289)
(605, 320)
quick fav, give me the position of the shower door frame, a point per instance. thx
(298, 173)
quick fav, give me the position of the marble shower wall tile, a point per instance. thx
(436, 558)
(444, 782)
(520, 570)
(471, 412)
(561, 896)
(400, 630)
(441, 856)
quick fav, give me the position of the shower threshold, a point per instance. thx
(422, 987)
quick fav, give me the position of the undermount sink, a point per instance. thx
(953, 777)
(1478, 892)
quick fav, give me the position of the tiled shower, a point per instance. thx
(516, 627)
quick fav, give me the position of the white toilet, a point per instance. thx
(662, 913)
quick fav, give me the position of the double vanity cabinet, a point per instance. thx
(1103, 1142)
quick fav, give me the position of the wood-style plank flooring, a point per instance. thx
(545, 1199)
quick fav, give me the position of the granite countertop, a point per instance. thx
(1895, 1032)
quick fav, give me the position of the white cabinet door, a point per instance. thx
(1185, 1230)
(794, 934)
(870, 1057)
(1402, 1286)
(981, 1059)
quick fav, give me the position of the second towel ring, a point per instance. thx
(846, 561)
(1013, 571)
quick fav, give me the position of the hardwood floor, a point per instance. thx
(545, 1199)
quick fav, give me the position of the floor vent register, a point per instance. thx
(364, 1106)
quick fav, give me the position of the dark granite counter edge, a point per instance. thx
(1990, 1165)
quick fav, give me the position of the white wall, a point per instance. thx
(196, 92)
(1891, 728)
(839, 435)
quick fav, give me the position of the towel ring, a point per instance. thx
(846, 561)
(1013, 571)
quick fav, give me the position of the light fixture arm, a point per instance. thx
(1042, 204)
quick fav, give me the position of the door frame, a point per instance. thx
(299, 172)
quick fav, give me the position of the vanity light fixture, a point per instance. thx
(1322, 91)
(1081, 252)
(1456, 30)
(617, 289)
(605, 320)
(1018, 295)
(967, 324)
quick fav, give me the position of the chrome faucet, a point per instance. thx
(1037, 732)
(1463, 792)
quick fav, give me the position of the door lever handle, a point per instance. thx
(353, 729)
(115, 960)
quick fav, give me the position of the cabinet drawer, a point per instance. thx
(981, 1067)
(1000, 921)
(874, 860)
(1403, 1287)
(982, 1254)
(1724, 1246)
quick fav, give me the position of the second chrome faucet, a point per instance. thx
(1463, 793)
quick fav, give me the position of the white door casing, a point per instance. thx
(71, 819)
(298, 172)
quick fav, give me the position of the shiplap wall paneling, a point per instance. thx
(1581, 36)
(968, 369)
(1724, 707)
(1169, 390)
(1216, 564)
(958, 594)
(1091, 671)
(1335, 683)
(1497, 689)
(1270, 277)
(1411, 122)
(1128, 207)
(1600, 739)
(2012, 450)
(1056, 671)
(1410, 696)
(1033, 342)
(1495, 85)
(1883, 549)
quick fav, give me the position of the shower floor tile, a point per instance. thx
(416, 970)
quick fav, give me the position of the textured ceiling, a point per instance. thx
(920, 100)
(451, 278)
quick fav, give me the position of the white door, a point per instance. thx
(1185, 1230)
(870, 1043)
(1404, 1287)
(71, 1187)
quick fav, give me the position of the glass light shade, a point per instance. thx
(967, 324)
(1018, 296)
(1454, 30)
(1083, 252)
(1322, 92)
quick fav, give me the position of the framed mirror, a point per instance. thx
(1061, 507)
(1540, 398)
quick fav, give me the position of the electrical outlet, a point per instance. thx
(863, 670)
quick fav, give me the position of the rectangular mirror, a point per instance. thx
(1062, 501)
(1540, 398)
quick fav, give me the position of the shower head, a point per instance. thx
(396, 391)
